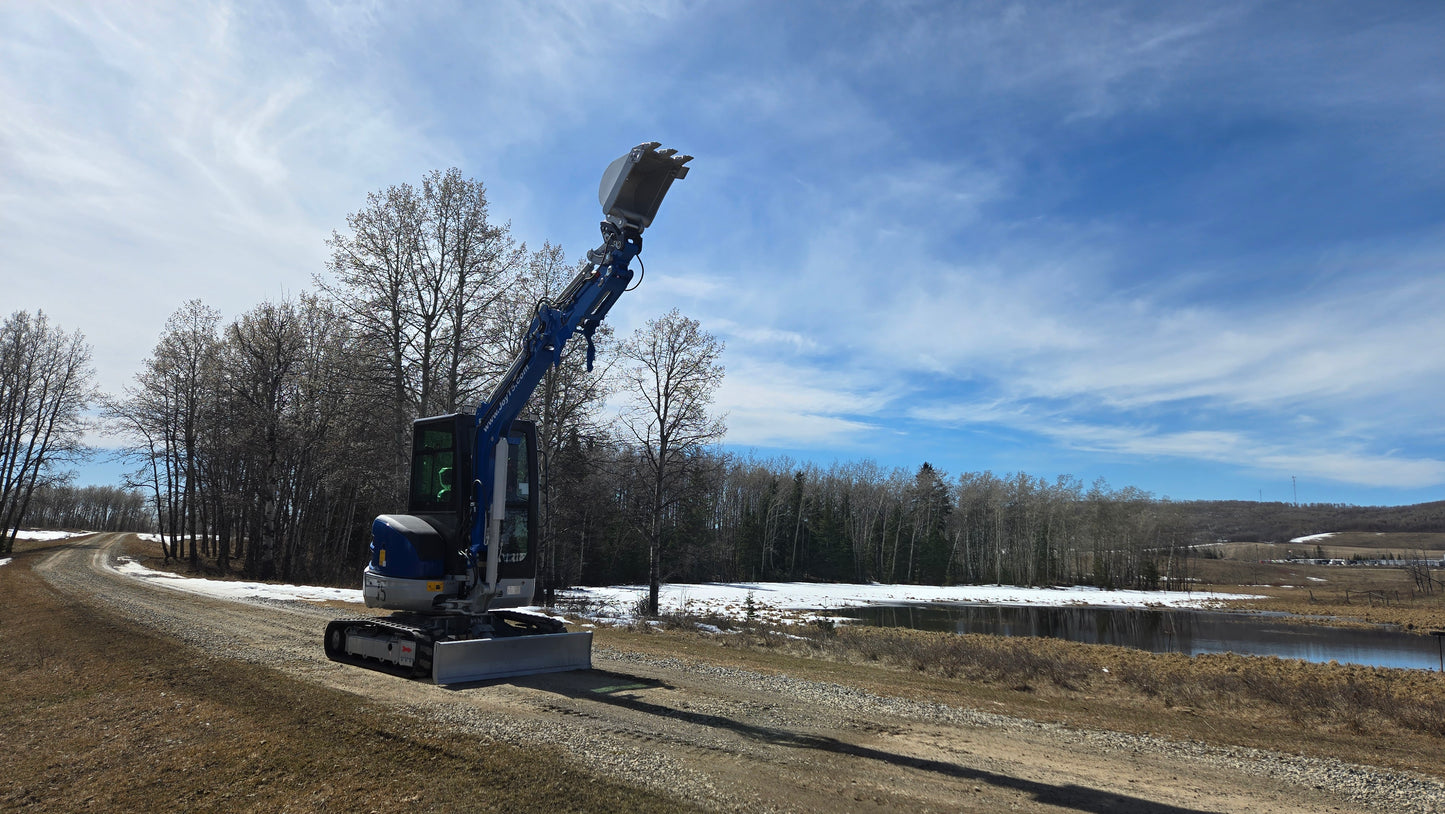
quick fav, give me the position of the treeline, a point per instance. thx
(255, 444)
(1249, 521)
(267, 444)
(774, 519)
(90, 508)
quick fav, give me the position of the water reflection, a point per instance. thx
(1169, 631)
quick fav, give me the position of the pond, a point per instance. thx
(1170, 631)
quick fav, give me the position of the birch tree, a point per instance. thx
(674, 369)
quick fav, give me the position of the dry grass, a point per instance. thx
(1361, 699)
(1342, 545)
(1398, 541)
(1377, 716)
(101, 715)
(1016, 663)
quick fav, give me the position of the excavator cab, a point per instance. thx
(437, 452)
(418, 559)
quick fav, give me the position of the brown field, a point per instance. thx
(1340, 546)
(1334, 594)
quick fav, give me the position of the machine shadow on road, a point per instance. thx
(619, 690)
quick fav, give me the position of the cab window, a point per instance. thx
(433, 469)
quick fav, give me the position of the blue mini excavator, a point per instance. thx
(461, 561)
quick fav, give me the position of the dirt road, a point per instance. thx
(720, 737)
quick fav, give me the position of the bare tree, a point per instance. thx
(417, 276)
(142, 416)
(674, 371)
(264, 351)
(371, 269)
(45, 387)
(472, 264)
(162, 417)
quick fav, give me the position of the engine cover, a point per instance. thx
(407, 547)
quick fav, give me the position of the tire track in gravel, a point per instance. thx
(734, 740)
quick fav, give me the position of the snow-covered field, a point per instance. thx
(782, 600)
(769, 600)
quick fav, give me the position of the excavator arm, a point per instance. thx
(632, 189)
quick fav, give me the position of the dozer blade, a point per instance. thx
(506, 656)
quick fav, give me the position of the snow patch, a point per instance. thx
(5, 562)
(1314, 538)
(226, 589)
(782, 601)
(46, 536)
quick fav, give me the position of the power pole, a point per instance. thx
(1295, 486)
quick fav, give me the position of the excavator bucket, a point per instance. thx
(506, 656)
(633, 186)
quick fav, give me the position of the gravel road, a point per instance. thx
(736, 740)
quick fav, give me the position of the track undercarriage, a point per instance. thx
(459, 648)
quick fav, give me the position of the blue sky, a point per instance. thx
(1197, 248)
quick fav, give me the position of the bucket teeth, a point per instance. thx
(633, 186)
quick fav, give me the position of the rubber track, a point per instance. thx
(421, 667)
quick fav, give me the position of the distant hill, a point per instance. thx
(1243, 520)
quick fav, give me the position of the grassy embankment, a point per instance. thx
(101, 714)
(1384, 717)
(1372, 715)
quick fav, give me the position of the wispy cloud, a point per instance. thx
(1124, 230)
(984, 286)
(1254, 450)
(161, 154)
(797, 407)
